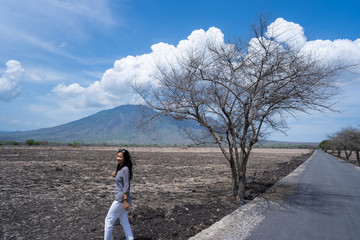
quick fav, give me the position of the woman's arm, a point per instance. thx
(126, 187)
(126, 204)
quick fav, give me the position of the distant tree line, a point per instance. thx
(289, 146)
(346, 140)
(29, 142)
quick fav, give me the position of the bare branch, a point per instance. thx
(237, 91)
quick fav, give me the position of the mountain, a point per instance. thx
(113, 126)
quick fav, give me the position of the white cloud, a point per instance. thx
(288, 32)
(68, 91)
(10, 82)
(114, 88)
(343, 50)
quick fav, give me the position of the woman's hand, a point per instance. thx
(126, 205)
(113, 174)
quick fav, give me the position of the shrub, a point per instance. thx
(30, 142)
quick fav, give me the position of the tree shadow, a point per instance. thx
(312, 198)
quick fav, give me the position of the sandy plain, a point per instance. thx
(65, 192)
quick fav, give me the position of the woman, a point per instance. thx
(120, 206)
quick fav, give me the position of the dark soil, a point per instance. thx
(65, 193)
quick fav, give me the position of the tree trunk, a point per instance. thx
(339, 153)
(348, 154)
(358, 157)
(235, 185)
(242, 183)
(242, 174)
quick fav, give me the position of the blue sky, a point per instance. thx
(62, 60)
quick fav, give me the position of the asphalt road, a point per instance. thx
(324, 204)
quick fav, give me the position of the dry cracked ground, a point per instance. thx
(65, 192)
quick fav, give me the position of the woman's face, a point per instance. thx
(120, 158)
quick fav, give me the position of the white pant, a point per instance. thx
(116, 211)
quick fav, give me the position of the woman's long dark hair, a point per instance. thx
(127, 162)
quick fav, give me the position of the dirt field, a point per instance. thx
(65, 193)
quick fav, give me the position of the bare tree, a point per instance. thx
(348, 140)
(356, 145)
(239, 91)
(337, 144)
(347, 137)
